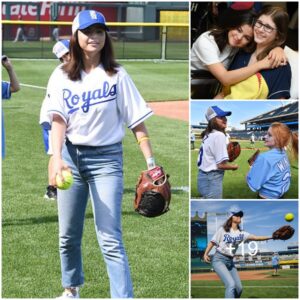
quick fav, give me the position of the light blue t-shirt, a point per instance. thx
(6, 94)
(270, 174)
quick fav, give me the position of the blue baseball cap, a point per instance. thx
(86, 18)
(235, 212)
(215, 111)
(61, 48)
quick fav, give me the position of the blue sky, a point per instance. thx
(241, 110)
(260, 218)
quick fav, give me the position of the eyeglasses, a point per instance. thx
(267, 28)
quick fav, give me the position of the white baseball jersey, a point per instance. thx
(96, 108)
(212, 151)
(205, 52)
(227, 243)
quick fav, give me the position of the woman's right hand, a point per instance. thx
(234, 167)
(267, 63)
(206, 258)
(56, 166)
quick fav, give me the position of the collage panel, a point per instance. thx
(104, 213)
(237, 251)
(244, 50)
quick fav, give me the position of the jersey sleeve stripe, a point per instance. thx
(279, 92)
(140, 120)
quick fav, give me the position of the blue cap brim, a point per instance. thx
(88, 24)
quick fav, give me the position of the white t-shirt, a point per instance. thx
(205, 52)
(213, 151)
(96, 108)
(228, 242)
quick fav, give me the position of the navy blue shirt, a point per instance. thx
(278, 80)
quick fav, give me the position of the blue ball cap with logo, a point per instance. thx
(215, 111)
(87, 18)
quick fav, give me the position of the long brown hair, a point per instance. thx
(227, 225)
(281, 19)
(212, 125)
(284, 137)
(232, 20)
(74, 67)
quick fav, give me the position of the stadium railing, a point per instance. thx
(153, 41)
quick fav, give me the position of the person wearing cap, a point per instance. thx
(270, 174)
(214, 50)
(213, 156)
(61, 51)
(226, 240)
(91, 99)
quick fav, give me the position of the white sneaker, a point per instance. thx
(70, 294)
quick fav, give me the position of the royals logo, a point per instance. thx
(233, 239)
(87, 99)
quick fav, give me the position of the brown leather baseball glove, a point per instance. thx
(253, 157)
(234, 150)
(153, 193)
(283, 233)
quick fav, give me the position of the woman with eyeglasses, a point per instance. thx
(270, 174)
(214, 50)
(270, 31)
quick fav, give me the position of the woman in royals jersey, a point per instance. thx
(213, 156)
(270, 174)
(92, 98)
(227, 240)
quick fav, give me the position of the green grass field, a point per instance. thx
(157, 248)
(283, 286)
(123, 50)
(234, 184)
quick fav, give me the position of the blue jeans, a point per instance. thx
(97, 172)
(226, 270)
(210, 184)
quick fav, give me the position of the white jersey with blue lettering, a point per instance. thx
(212, 151)
(96, 108)
(270, 174)
(227, 243)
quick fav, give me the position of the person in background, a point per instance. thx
(8, 88)
(20, 34)
(62, 52)
(275, 263)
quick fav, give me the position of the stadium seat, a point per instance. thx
(293, 61)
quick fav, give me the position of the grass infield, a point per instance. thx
(283, 286)
(234, 184)
(157, 248)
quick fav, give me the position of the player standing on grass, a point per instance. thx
(61, 51)
(227, 240)
(270, 174)
(12, 86)
(91, 98)
(213, 156)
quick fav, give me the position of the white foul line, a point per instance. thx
(33, 86)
